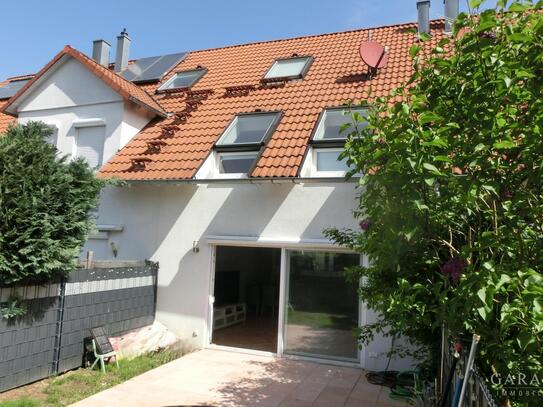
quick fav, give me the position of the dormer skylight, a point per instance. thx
(237, 150)
(289, 68)
(330, 123)
(183, 80)
(248, 130)
(327, 142)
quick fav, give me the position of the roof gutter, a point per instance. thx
(290, 180)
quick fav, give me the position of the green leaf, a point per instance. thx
(475, 3)
(430, 181)
(488, 265)
(518, 7)
(414, 51)
(504, 144)
(483, 312)
(432, 168)
(524, 339)
(428, 117)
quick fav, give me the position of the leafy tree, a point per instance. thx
(451, 206)
(44, 206)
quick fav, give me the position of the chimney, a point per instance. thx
(100, 52)
(123, 50)
(452, 9)
(423, 8)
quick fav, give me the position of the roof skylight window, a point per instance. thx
(331, 121)
(248, 129)
(183, 80)
(237, 150)
(289, 68)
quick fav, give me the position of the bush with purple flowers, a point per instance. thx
(459, 202)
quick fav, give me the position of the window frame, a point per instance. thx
(301, 75)
(217, 158)
(324, 173)
(249, 146)
(331, 142)
(164, 89)
(243, 148)
(92, 124)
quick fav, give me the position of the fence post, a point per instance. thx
(60, 319)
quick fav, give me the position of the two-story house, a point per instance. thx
(229, 158)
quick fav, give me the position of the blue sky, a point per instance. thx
(33, 31)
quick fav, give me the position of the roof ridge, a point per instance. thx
(411, 23)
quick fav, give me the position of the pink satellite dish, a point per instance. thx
(373, 54)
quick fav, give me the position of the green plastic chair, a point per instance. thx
(101, 346)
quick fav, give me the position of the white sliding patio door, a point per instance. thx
(321, 309)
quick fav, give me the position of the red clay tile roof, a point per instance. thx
(175, 148)
(5, 120)
(126, 89)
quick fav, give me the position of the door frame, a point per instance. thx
(284, 246)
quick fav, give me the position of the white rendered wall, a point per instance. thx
(71, 93)
(162, 223)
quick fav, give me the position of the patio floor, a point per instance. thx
(219, 378)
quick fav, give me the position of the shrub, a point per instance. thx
(44, 206)
(452, 203)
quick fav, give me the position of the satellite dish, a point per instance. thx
(373, 54)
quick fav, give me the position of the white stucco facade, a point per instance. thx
(165, 222)
(71, 95)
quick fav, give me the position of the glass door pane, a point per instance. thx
(321, 312)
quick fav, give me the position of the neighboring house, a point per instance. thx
(230, 162)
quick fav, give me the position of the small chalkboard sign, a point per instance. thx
(103, 344)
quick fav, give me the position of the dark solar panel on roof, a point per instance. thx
(11, 88)
(152, 68)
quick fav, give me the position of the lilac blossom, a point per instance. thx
(454, 267)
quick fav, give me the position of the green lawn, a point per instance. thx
(79, 384)
(321, 320)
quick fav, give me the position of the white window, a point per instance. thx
(328, 142)
(327, 160)
(236, 163)
(238, 148)
(184, 79)
(53, 137)
(333, 119)
(289, 68)
(90, 144)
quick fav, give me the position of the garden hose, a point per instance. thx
(404, 386)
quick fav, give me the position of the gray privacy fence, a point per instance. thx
(50, 338)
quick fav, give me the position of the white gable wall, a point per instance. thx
(70, 84)
(70, 93)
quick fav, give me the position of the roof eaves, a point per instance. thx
(137, 101)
